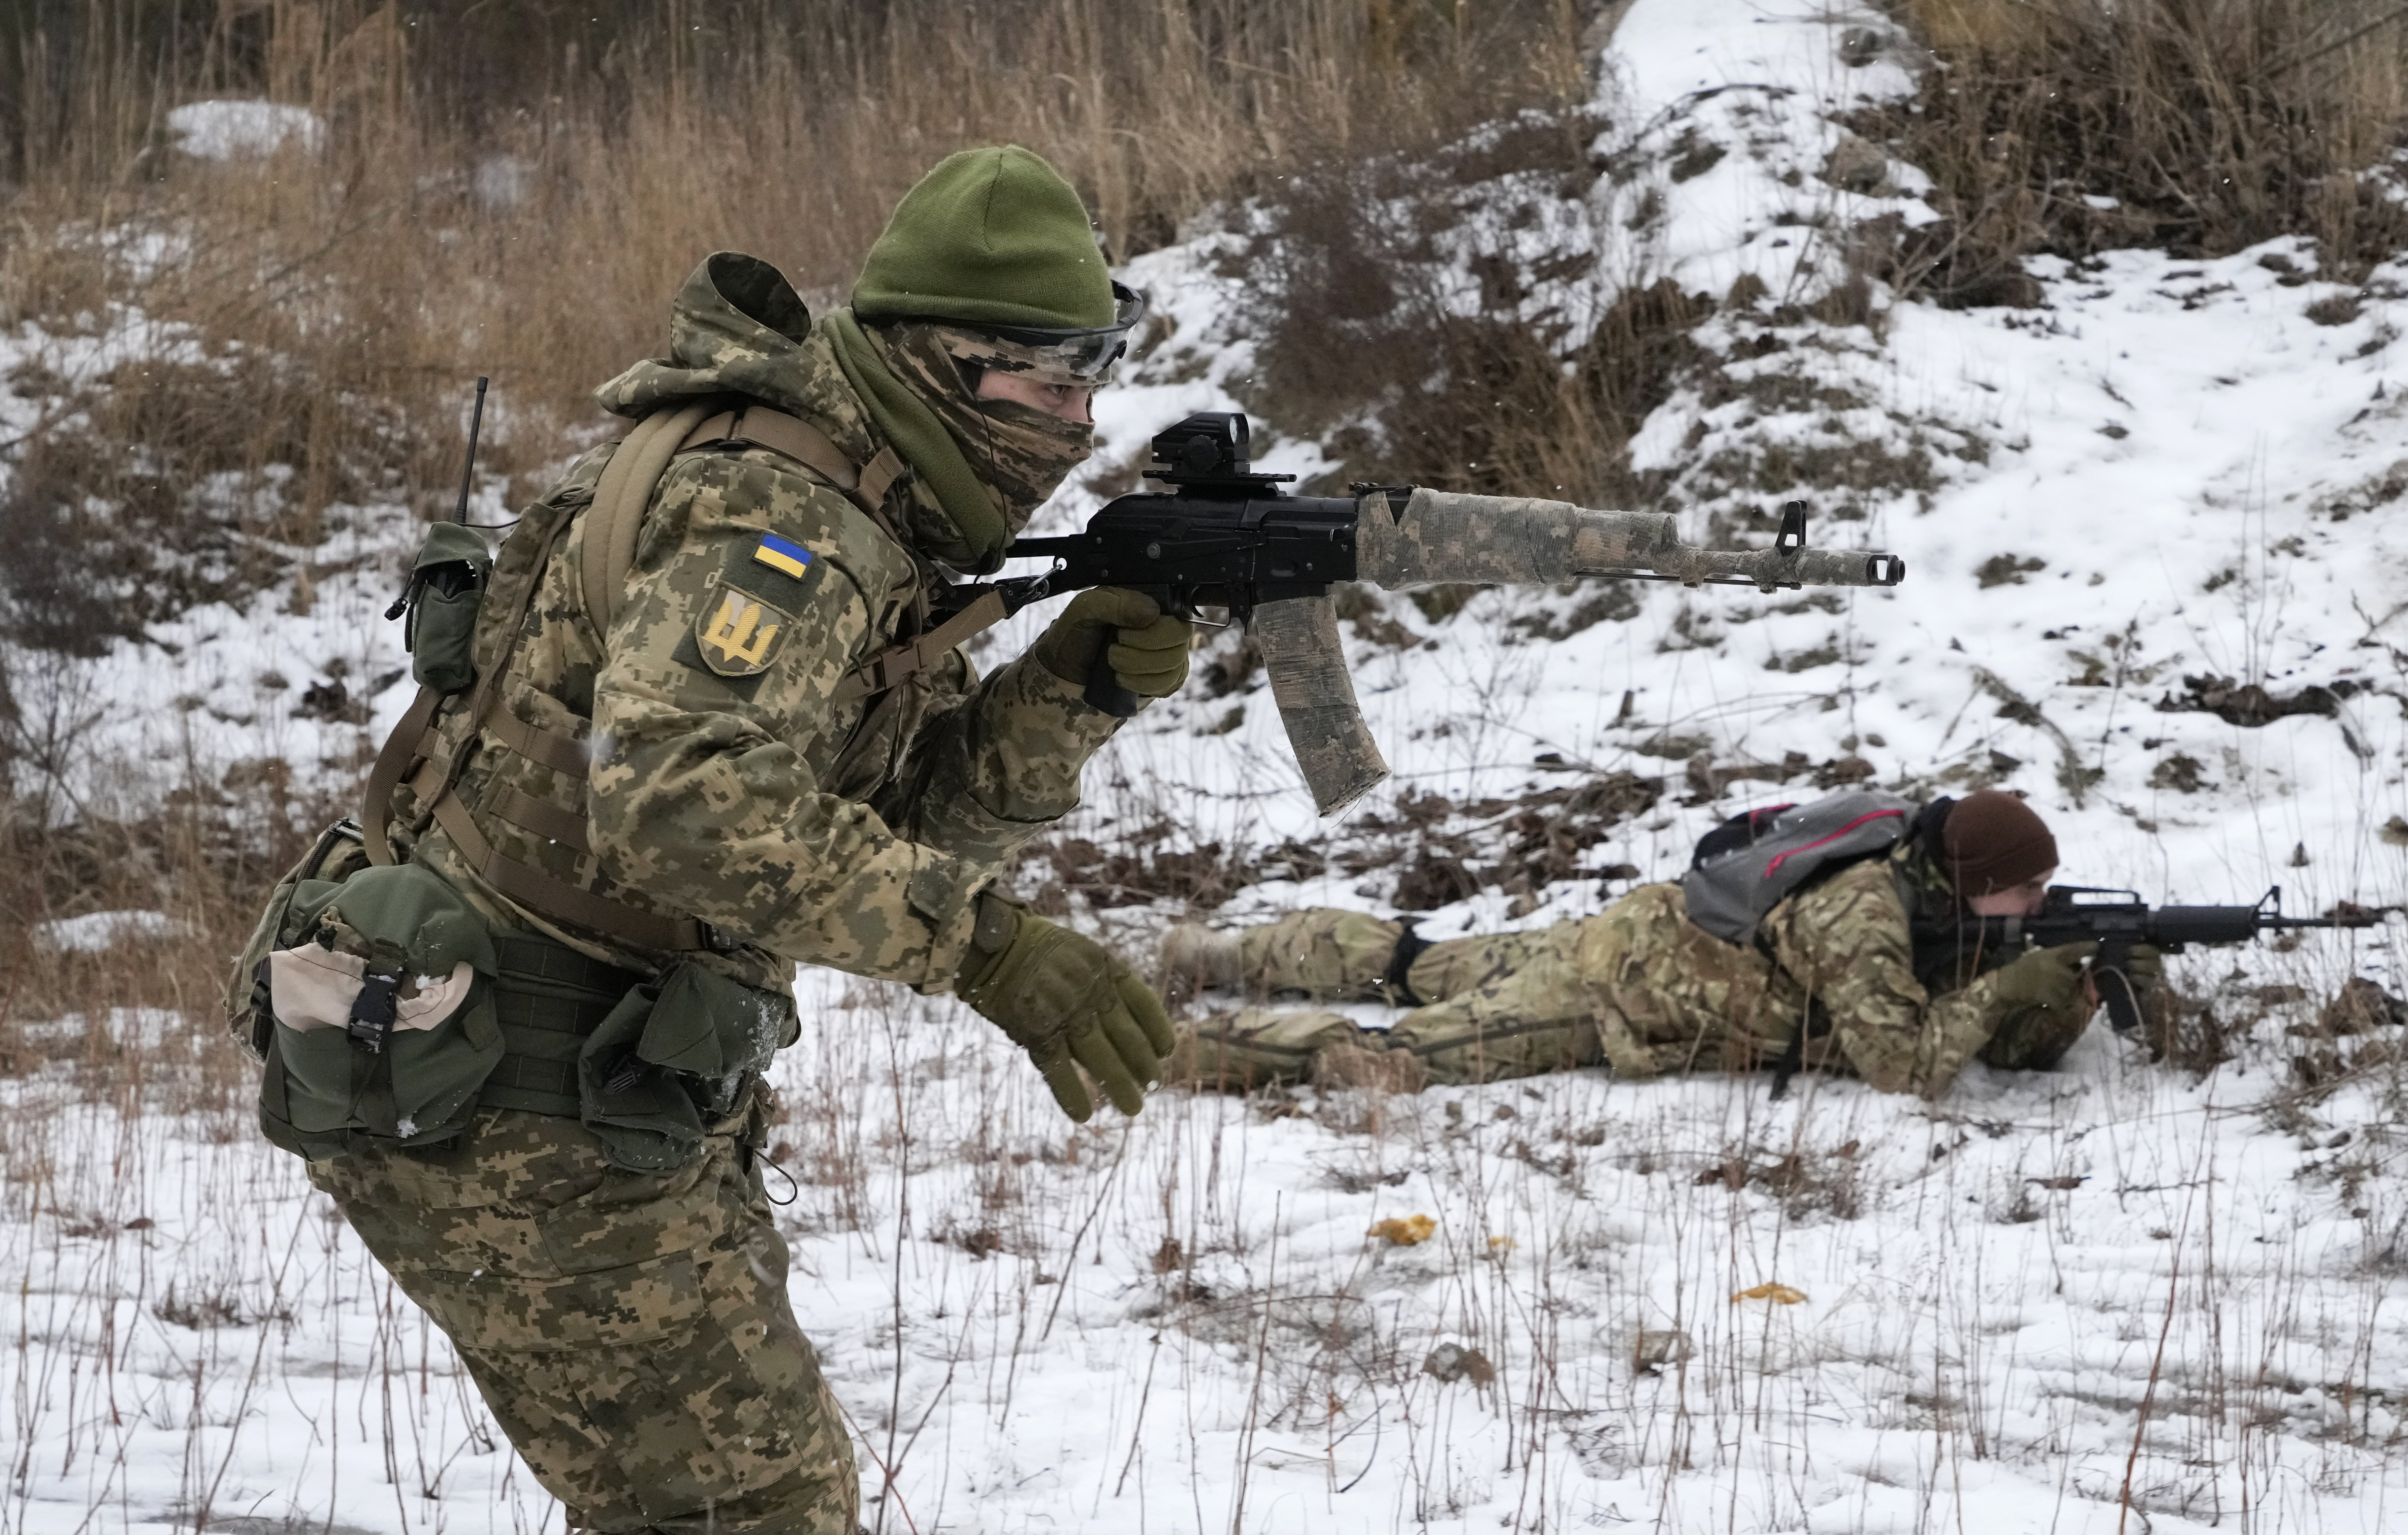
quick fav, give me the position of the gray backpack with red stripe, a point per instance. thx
(1745, 867)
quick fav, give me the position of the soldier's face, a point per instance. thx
(2019, 900)
(1068, 401)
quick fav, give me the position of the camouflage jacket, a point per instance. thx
(1836, 958)
(730, 781)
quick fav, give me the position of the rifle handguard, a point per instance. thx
(1444, 536)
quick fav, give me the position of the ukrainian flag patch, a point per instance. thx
(784, 555)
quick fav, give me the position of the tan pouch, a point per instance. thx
(311, 987)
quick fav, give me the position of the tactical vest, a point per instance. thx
(460, 667)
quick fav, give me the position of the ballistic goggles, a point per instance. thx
(1067, 356)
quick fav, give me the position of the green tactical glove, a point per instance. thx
(2045, 977)
(2147, 966)
(1128, 631)
(1062, 998)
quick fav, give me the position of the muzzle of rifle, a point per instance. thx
(1444, 537)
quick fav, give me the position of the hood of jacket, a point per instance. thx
(738, 327)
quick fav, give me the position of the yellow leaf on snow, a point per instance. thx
(1778, 1294)
(1406, 1232)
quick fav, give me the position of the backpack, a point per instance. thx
(1748, 865)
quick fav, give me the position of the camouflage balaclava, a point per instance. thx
(1019, 452)
(990, 237)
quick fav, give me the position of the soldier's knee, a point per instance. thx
(811, 1499)
(1256, 1047)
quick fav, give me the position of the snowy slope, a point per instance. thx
(2027, 1307)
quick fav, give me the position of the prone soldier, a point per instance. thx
(1856, 968)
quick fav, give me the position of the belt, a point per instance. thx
(548, 998)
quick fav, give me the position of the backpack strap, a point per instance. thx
(401, 753)
(616, 517)
(892, 664)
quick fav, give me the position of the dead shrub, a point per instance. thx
(517, 191)
(167, 484)
(2361, 1007)
(2184, 1030)
(1357, 325)
(202, 861)
(2253, 704)
(1806, 1182)
(2198, 127)
(1433, 880)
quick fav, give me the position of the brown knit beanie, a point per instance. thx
(1994, 841)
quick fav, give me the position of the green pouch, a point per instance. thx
(339, 853)
(382, 1015)
(674, 1055)
(447, 584)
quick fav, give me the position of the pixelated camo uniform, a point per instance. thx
(1642, 989)
(631, 1332)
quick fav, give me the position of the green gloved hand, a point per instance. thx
(2147, 966)
(1062, 998)
(1128, 631)
(2045, 977)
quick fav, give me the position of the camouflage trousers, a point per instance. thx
(1639, 988)
(630, 1332)
(1510, 1005)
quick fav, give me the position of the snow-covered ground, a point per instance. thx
(2115, 1297)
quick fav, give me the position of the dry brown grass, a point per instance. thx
(202, 863)
(527, 214)
(2212, 124)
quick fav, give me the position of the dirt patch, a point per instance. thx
(2253, 703)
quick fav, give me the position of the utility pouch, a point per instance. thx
(447, 584)
(339, 853)
(381, 1014)
(675, 1055)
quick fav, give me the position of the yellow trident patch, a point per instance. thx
(739, 639)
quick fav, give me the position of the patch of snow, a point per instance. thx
(235, 129)
(95, 931)
(503, 180)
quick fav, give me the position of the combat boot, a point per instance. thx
(1195, 958)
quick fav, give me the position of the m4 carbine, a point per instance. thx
(2117, 919)
(1221, 535)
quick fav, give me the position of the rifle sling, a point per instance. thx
(891, 666)
(539, 892)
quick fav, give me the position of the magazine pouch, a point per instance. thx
(381, 1014)
(339, 852)
(675, 1055)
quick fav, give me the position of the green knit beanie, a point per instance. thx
(991, 236)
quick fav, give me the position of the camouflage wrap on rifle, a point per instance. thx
(1446, 537)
